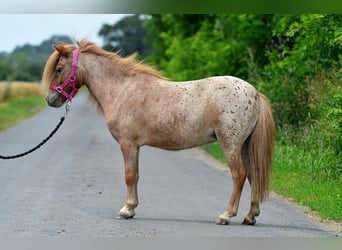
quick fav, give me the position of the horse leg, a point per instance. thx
(254, 210)
(239, 174)
(130, 154)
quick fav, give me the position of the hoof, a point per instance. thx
(124, 216)
(126, 213)
(249, 221)
(221, 221)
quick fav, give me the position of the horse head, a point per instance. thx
(61, 74)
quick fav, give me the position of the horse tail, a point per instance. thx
(260, 150)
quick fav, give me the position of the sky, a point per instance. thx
(20, 29)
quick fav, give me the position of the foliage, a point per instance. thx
(26, 63)
(197, 46)
(125, 36)
(306, 46)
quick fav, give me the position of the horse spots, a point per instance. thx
(233, 131)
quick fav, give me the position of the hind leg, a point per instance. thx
(254, 210)
(239, 174)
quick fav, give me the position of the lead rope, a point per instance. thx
(67, 109)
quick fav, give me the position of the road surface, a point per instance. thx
(74, 186)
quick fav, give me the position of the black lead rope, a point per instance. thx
(36, 147)
(67, 108)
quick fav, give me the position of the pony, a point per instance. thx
(141, 107)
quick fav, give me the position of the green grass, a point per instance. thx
(307, 177)
(304, 175)
(19, 109)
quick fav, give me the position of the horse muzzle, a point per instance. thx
(55, 100)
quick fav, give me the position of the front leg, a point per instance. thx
(130, 154)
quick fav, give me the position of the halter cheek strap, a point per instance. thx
(70, 82)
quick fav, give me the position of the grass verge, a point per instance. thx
(304, 176)
(19, 109)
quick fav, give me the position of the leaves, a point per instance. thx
(26, 62)
(125, 36)
(196, 46)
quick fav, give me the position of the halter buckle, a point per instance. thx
(67, 107)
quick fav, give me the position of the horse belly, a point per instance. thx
(165, 141)
(180, 133)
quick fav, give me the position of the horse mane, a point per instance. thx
(129, 64)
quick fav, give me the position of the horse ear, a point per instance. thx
(59, 48)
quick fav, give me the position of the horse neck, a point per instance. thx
(97, 75)
(105, 78)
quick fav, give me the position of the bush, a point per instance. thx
(303, 47)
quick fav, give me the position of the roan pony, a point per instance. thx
(141, 107)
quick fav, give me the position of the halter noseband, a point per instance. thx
(70, 82)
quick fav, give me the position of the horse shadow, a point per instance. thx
(272, 228)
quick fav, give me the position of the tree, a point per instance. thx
(26, 62)
(5, 68)
(126, 36)
(194, 46)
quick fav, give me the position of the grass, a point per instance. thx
(19, 109)
(304, 176)
(18, 101)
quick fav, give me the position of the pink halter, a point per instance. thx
(70, 82)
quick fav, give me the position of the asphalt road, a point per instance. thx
(74, 186)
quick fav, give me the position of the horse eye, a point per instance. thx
(59, 69)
